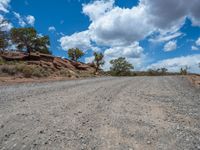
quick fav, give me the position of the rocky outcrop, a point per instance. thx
(47, 61)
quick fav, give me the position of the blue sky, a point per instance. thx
(149, 33)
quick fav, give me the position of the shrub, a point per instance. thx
(40, 72)
(11, 70)
(27, 72)
(65, 73)
(2, 61)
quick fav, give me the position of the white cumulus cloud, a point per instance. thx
(89, 59)
(4, 6)
(198, 42)
(6, 26)
(131, 51)
(30, 20)
(194, 48)
(77, 40)
(24, 20)
(119, 28)
(175, 64)
(170, 46)
(52, 29)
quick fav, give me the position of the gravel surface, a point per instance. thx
(133, 113)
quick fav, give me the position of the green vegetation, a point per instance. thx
(183, 71)
(75, 53)
(3, 36)
(27, 39)
(98, 60)
(157, 72)
(120, 67)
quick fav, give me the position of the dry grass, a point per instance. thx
(25, 70)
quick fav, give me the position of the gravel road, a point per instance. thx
(132, 113)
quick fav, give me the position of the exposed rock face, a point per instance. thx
(46, 61)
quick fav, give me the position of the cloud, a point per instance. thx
(165, 37)
(97, 8)
(89, 59)
(194, 48)
(174, 64)
(115, 26)
(131, 51)
(4, 5)
(52, 29)
(79, 40)
(198, 42)
(30, 20)
(119, 28)
(23, 21)
(6, 26)
(170, 46)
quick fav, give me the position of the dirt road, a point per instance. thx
(138, 113)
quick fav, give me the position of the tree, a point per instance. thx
(42, 45)
(75, 53)
(4, 36)
(27, 39)
(184, 71)
(98, 60)
(164, 71)
(120, 67)
(24, 38)
(3, 40)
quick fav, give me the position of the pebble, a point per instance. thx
(42, 131)
(148, 142)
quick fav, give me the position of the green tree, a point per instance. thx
(164, 70)
(120, 67)
(98, 60)
(4, 36)
(24, 38)
(3, 40)
(75, 53)
(27, 39)
(42, 45)
(184, 71)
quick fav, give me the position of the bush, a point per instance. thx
(65, 73)
(27, 72)
(11, 70)
(40, 72)
(2, 61)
